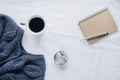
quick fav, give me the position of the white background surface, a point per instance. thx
(100, 61)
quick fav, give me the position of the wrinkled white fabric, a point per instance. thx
(100, 61)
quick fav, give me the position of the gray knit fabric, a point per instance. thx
(15, 62)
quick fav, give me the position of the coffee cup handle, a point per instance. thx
(22, 23)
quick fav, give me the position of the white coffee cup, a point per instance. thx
(35, 24)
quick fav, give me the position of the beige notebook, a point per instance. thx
(98, 23)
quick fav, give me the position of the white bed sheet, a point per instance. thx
(100, 61)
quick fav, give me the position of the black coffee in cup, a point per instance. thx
(36, 24)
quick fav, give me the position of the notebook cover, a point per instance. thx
(99, 23)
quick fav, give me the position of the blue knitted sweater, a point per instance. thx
(15, 62)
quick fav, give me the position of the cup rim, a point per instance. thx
(35, 33)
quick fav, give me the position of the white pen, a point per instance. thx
(96, 36)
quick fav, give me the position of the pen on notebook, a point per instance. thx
(96, 36)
